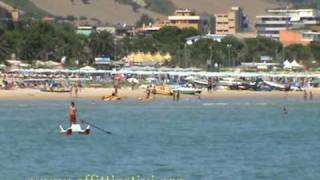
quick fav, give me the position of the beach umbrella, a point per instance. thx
(87, 68)
(120, 77)
(189, 78)
(133, 80)
(151, 79)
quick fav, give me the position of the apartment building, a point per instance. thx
(231, 22)
(277, 20)
(8, 13)
(185, 18)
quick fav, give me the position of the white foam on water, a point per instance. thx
(263, 104)
(215, 104)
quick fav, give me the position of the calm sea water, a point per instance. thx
(192, 139)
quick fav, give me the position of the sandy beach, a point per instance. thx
(127, 93)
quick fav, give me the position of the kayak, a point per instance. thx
(111, 98)
(188, 90)
(75, 128)
(56, 90)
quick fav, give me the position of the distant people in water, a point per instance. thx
(310, 95)
(305, 94)
(307, 89)
(178, 95)
(174, 95)
(285, 111)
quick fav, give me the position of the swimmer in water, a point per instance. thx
(285, 111)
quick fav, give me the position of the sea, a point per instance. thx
(193, 139)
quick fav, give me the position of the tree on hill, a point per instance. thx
(298, 52)
(145, 19)
(261, 46)
(101, 43)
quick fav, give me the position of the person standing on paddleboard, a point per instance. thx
(73, 113)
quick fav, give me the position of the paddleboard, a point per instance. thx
(75, 128)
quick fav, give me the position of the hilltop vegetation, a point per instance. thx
(159, 6)
(28, 7)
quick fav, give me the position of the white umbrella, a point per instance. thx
(133, 80)
(87, 68)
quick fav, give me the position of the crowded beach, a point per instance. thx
(147, 83)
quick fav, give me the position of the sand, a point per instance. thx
(127, 93)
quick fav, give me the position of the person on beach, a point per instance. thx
(148, 92)
(73, 113)
(79, 85)
(76, 90)
(133, 85)
(71, 90)
(310, 95)
(116, 87)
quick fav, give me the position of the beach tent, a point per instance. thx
(148, 57)
(144, 58)
(40, 63)
(158, 57)
(287, 65)
(52, 64)
(296, 65)
(167, 57)
(87, 68)
(138, 58)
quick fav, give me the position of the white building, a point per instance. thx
(112, 30)
(276, 20)
(214, 37)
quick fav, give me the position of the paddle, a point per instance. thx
(85, 122)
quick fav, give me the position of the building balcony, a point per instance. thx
(272, 22)
(271, 28)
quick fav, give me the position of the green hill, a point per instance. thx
(27, 6)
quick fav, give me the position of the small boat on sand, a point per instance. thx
(60, 90)
(163, 90)
(187, 90)
(75, 128)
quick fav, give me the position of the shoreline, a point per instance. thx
(128, 94)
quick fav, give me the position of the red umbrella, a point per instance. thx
(120, 77)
